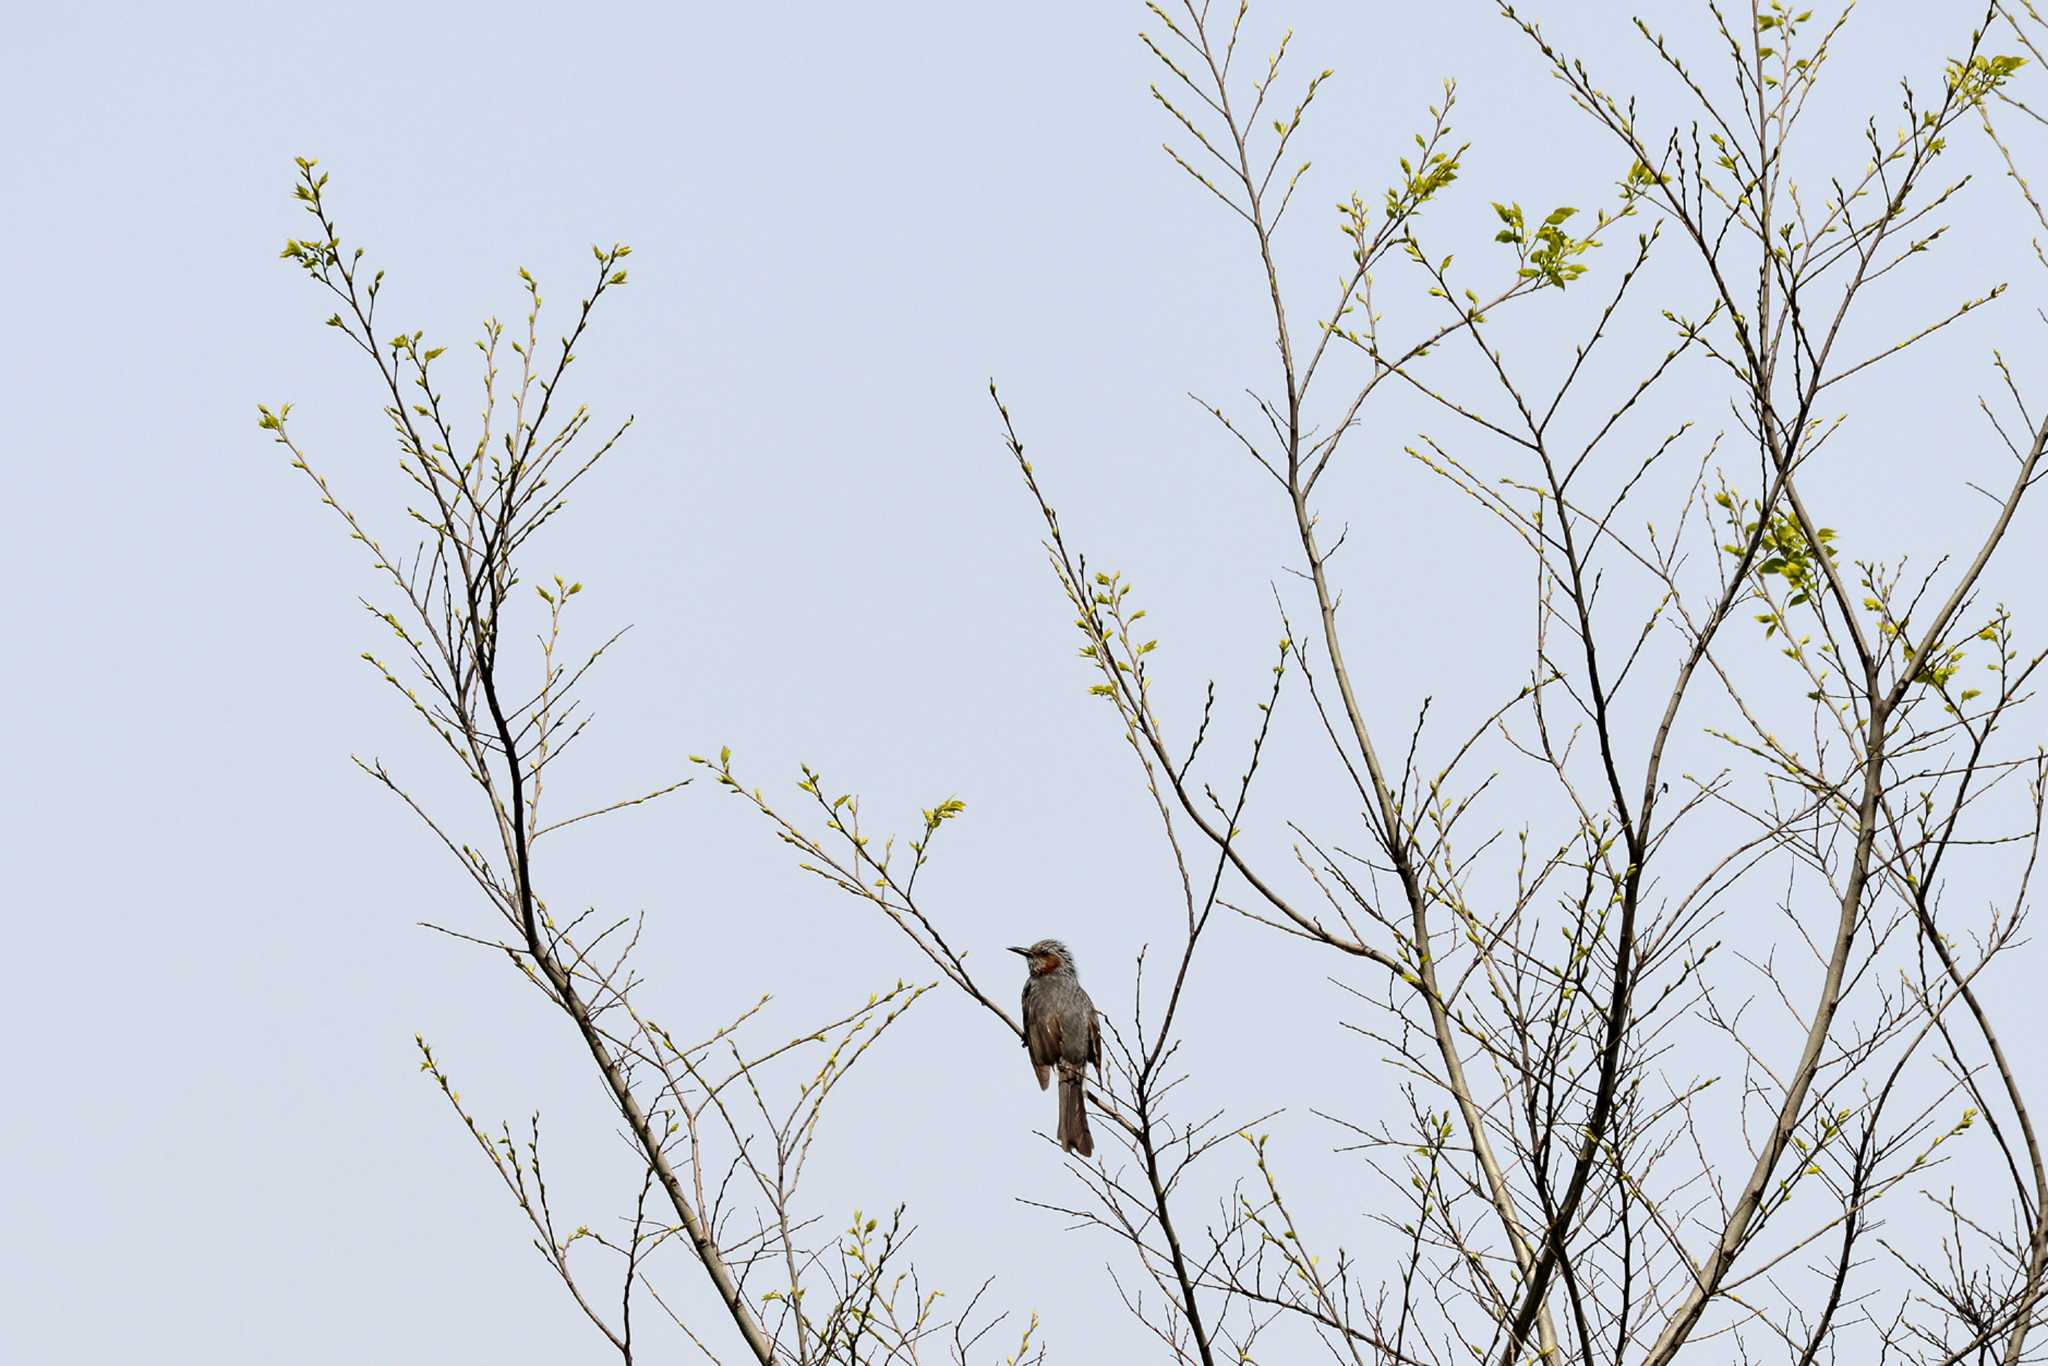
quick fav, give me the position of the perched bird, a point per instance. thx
(1061, 1034)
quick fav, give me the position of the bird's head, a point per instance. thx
(1047, 956)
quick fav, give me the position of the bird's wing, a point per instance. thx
(1042, 1037)
(1095, 1043)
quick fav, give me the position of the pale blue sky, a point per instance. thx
(845, 219)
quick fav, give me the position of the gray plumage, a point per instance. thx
(1061, 1035)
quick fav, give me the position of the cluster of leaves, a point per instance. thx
(1641, 180)
(1938, 667)
(1784, 550)
(1977, 78)
(1780, 20)
(1549, 254)
(1421, 181)
(1786, 25)
(1110, 592)
(1788, 553)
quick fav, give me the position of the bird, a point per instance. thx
(1061, 1034)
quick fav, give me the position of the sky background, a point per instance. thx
(846, 219)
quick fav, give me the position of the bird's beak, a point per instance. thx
(1023, 952)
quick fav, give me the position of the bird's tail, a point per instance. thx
(1074, 1135)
